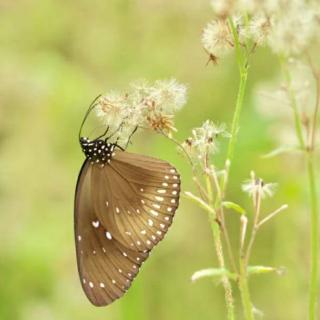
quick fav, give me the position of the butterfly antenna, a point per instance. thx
(92, 105)
(131, 134)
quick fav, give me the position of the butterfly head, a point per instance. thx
(97, 151)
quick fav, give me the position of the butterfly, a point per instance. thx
(124, 205)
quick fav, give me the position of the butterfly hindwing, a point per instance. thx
(138, 196)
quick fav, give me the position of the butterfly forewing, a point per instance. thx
(106, 267)
(122, 210)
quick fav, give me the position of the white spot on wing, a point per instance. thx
(108, 235)
(150, 222)
(153, 212)
(95, 224)
(91, 284)
(102, 285)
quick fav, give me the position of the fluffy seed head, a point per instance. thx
(217, 38)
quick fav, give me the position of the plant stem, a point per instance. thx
(216, 233)
(237, 112)
(309, 151)
(225, 281)
(244, 290)
(314, 239)
(294, 104)
(243, 71)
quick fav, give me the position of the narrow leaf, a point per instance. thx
(234, 206)
(264, 269)
(281, 150)
(213, 273)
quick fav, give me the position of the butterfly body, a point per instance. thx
(98, 150)
(124, 205)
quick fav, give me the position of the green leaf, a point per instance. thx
(213, 273)
(234, 206)
(264, 269)
(281, 150)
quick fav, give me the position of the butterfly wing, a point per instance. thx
(136, 198)
(106, 267)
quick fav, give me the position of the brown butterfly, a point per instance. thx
(124, 205)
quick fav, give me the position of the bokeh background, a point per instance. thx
(55, 57)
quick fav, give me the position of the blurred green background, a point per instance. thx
(55, 57)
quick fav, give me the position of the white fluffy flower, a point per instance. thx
(204, 140)
(144, 105)
(222, 8)
(292, 29)
(259, 28)
(112, 109)
(217, 38)
(170, 94)
(256, 187)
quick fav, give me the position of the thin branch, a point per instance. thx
(271, 215)
(202, 203)
(316, 76)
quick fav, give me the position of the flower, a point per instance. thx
(203, 142)
(259, 28)
(256, 187)
(143, 106)
(293, 27)
(112, 108)
(222, 8)
(217, 38)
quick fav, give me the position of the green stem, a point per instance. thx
(216, 233)
(293, 103)
(243, 71)
(225, 280)
(313, 290)
(314, 239)
(244, 290)
(237, 112)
